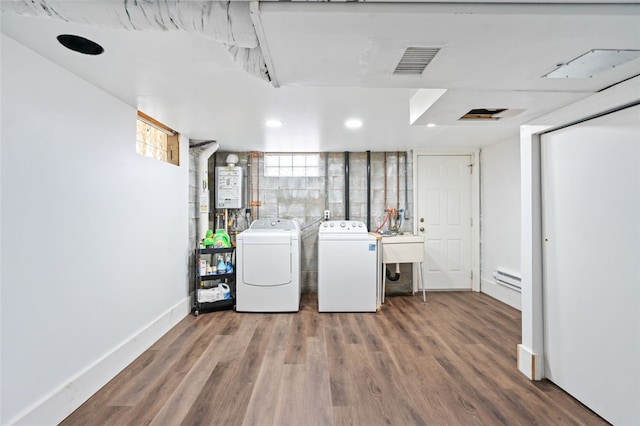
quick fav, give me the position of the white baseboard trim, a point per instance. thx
(529, 363)
(505, 295)
(56, 406)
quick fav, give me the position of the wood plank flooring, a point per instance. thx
(449, 361)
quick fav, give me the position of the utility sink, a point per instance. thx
(403, 249)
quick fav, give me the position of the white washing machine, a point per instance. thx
(348, 267)
(268, 267)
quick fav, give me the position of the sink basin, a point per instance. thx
(403, 249)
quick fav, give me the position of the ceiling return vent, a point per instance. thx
(415, 60)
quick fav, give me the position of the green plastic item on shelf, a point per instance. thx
(221, 239)
(208, 239)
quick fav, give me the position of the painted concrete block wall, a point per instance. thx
(306, 198)
(94, 239)
(500, 239)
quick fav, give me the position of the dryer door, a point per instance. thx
(266, 260)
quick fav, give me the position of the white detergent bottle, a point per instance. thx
(225, 291)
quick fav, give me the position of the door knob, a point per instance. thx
(421, 229)
(422, 219)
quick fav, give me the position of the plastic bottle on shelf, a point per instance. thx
(202, 266)
(221, 239)
(225, 291)
(222, 267)
(229, 266)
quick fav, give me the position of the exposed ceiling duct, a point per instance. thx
(228, 22)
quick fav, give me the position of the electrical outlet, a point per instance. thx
(327, 214)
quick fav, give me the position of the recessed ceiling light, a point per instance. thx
(431, 125)
(353, 123)
(274, 123)
(80, 44)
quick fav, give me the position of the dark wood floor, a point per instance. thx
(449, 361)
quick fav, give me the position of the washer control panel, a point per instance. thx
(343, 226)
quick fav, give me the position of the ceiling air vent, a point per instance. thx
(414, 60)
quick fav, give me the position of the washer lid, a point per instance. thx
(265, 237)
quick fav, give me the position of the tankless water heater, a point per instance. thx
(228, 187)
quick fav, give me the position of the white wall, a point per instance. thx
(500, 217)
(94, 239)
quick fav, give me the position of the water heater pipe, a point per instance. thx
(346, 185)
(204, 204)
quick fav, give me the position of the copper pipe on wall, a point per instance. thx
(254, 203)
(258, 186)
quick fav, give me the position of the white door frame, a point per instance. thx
(475, 208)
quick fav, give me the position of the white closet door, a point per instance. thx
(591, 238)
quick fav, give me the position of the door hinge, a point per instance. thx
(470, 168)
(471, 275)
(471, 221)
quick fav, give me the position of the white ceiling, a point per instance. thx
(332, 61)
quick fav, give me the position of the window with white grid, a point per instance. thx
(292, 165)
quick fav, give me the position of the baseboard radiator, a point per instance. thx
(507, 279)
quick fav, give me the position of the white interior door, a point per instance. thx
(444, 218)
(591, 283)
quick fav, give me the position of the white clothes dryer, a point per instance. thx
(348, 267)
(268, 267)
